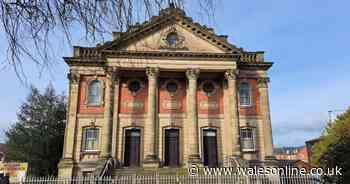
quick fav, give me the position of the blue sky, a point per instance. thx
(306, 39)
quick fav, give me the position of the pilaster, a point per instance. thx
(231, 117)
(192, 115)
(108, 113)
(266, 120)
(66, 164)
(115, 120)
(151, 158)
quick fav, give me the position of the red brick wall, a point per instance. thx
(254, 109)
(83, 108)
(210, 104)
(128, 101)
(302, 154)
(175, 103)
(206, 104)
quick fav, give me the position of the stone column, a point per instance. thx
(232, 113)
(67, 162)
(108, 114)
(265, 116)
(151, 158)
(192, 116)
(115, 121)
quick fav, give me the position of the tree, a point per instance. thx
(38, 135)
(31, 26)
(334, 147)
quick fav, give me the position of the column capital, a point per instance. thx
(231, 74)
(73, 77)
(192, 73)
(112, 72)
(263, 81)
(152, 72)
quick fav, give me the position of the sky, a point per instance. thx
(306, 39)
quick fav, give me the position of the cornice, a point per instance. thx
(245, 61)
(254, 65)
(166, 54)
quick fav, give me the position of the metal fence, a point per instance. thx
(165, 179)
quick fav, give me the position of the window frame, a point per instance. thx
(135, 93)
(172, 39)
(165, 85)
(100, 100)
(252, 138)
(215, 89)
(249, 88)
(97, 139)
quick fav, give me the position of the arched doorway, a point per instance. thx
(210, 152)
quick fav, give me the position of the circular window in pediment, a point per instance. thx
(172, 38)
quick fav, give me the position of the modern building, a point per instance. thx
(292, 153)
(309, 145)
(166, 93)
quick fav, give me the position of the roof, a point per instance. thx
(312, 141)
(168, 16)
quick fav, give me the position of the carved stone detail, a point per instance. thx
(152, 72)
(231, 74)
(74, 77)
(180, 44)
(263, 82)
(192, 73)
(112, 73)
(206, 105)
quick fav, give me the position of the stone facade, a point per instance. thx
(177, 93)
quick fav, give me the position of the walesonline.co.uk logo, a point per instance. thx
(194, 170)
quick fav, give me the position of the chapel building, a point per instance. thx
(166, 93)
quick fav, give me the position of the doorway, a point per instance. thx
(132, 148)
(172, 151)
(210, 152)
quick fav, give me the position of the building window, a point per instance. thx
(208, 88)
(134, 86)
(244, 94)
(172, 39)
(94, 93)
(247, 139)
(91, 139)
(171, 87)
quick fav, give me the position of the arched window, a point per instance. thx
(244, 94)
(94, 93)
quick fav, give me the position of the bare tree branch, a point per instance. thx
(29, 25)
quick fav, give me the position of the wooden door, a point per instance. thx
(172, 152)
(210, 148)
(132, 148)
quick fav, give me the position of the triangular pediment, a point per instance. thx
(185, 41)
(152, 36)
